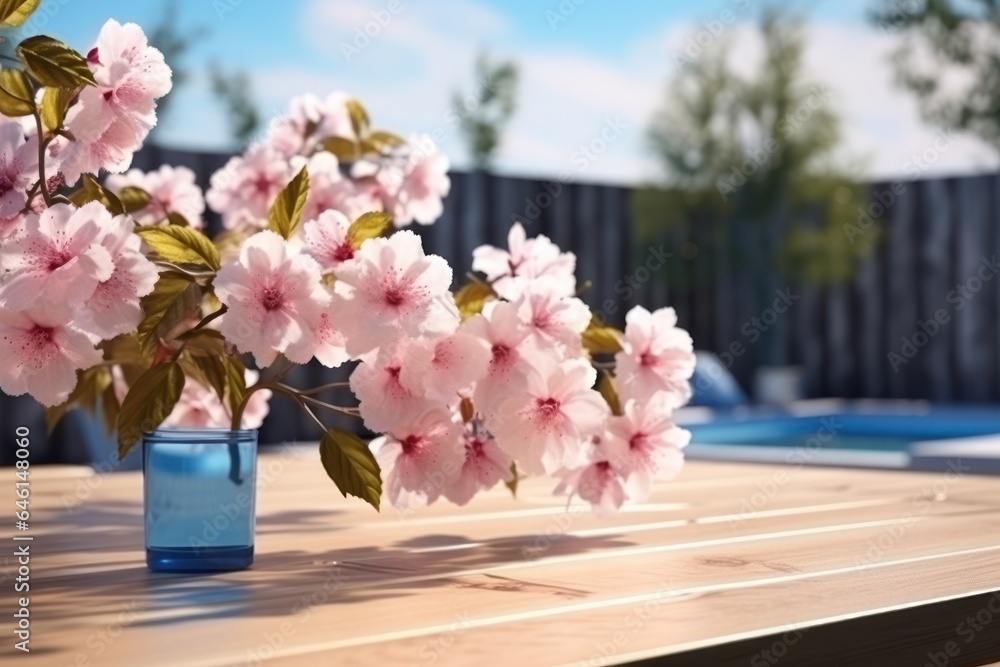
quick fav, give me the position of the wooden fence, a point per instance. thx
(929, 294)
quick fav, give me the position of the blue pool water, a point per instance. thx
(846, 430)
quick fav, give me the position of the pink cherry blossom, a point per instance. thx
(553, 321)
(440, 368)
(114, 306)
(330, 350)
(112, 151)
(544, 425)
(420, 458)
(645, 445)
(326, 240)
(485, 465)
(598, 482)
(10, 228)
(58, 261)
(172, 190)
(510, 271)
(328, 188)
(40, 354)
(111, 119)
(328, 116)
(275, 300)
(244, 189)
(308, 122)
(656, 356)
(285, 138)
(504, 333)
(354, 198)
(199, 407)
(424, 184)
(384, 401)
(18, 168)
(390, 289)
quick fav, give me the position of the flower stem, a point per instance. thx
(294, 394)
(238, 414)
(291, 391)
(42, 145)
(312, 414)
(324, 387)
(181, 269)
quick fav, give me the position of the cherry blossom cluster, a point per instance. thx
(71, 276)
(352, 169)
(513, 389)
(112, 298)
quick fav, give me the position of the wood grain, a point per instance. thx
(729, 564)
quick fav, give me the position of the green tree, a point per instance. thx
(485, 111)
(760, 148)
(236, 94)
(949, 57)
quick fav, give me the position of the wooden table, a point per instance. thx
(731, 564)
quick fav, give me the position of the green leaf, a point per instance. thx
(204, 341)
(178, 220)
(159, 303)
(512, 482)
(52, 63)
(359, 118)
(286, 211)
(55, 102)
(124, 349)
(214, 370)
(15, 12)
(54, 414)
(226, 375)
(89, 385)
(607, 390)
(16, 98)
(110, 408)
(236, 382)
(471, 298)
(344, 149)
(149, 401)
(384, 139)
(134, 198)
(181, 245)
(94, 191)
(601, 339)
(370, 225)
(351, 466)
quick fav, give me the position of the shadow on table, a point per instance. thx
(285, 583)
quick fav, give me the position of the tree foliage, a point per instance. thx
(949, 57)
(484, 112)
(236, 94)
(756, 148)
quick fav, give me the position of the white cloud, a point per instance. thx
(417, 58)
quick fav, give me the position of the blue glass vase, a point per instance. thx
(199, 492)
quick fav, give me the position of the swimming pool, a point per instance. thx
(868, 434)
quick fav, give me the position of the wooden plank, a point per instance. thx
(522, 580)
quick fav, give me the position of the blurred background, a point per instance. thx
(811, 185)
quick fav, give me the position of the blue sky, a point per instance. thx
(606, 62)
